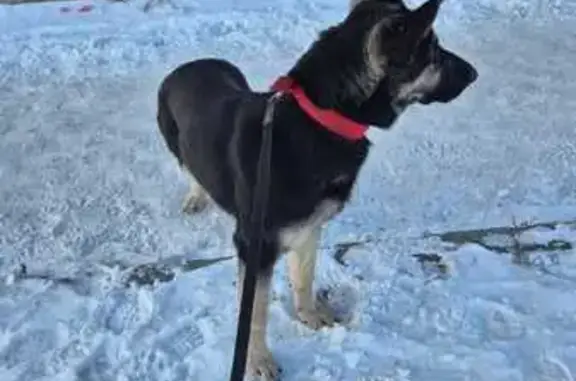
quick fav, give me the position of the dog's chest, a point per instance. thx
(295, 235)
(335, 194)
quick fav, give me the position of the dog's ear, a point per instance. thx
(376, 58)
(395, 41)
(354, 3)
(422, 18)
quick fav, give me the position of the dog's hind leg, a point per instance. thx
(197, 199)
(301, 267)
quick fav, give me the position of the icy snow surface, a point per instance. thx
(86, 182)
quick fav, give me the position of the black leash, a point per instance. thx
(255, 242)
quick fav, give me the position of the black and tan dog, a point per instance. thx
(365, 71)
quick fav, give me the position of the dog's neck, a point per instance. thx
(336, 75)
(331, 120)
(339, 90)
(334, 72)
(378, 109)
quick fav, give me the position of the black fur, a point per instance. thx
(212, 121)
(219, 137)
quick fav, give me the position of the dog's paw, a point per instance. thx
(318, 316)
(262, 366)
(194, 202)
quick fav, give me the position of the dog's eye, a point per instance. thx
(399, 28)
(401, 62)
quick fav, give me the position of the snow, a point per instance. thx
(88, 191)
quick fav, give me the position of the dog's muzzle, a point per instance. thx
(457, 75)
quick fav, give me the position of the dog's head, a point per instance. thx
(380, 59)
(414, 67)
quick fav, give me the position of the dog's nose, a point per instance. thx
(472, 74)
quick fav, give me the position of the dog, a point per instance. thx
(380, 59)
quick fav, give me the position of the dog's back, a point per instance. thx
(198, 106)
(205, 86)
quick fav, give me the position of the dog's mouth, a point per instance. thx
(425, 100)
(410, 100)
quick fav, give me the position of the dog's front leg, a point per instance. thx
(260, 359)
(301, 268)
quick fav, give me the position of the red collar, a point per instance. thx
(330, 119)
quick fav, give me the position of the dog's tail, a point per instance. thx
(168, 125)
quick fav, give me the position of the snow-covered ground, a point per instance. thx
(86, 183)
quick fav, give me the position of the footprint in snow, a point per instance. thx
(124, 310)
(504, 323)
(27, 346)
(181, 342)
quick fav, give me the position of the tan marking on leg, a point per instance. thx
(196, 200)
(301, 270)
(260, 359)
